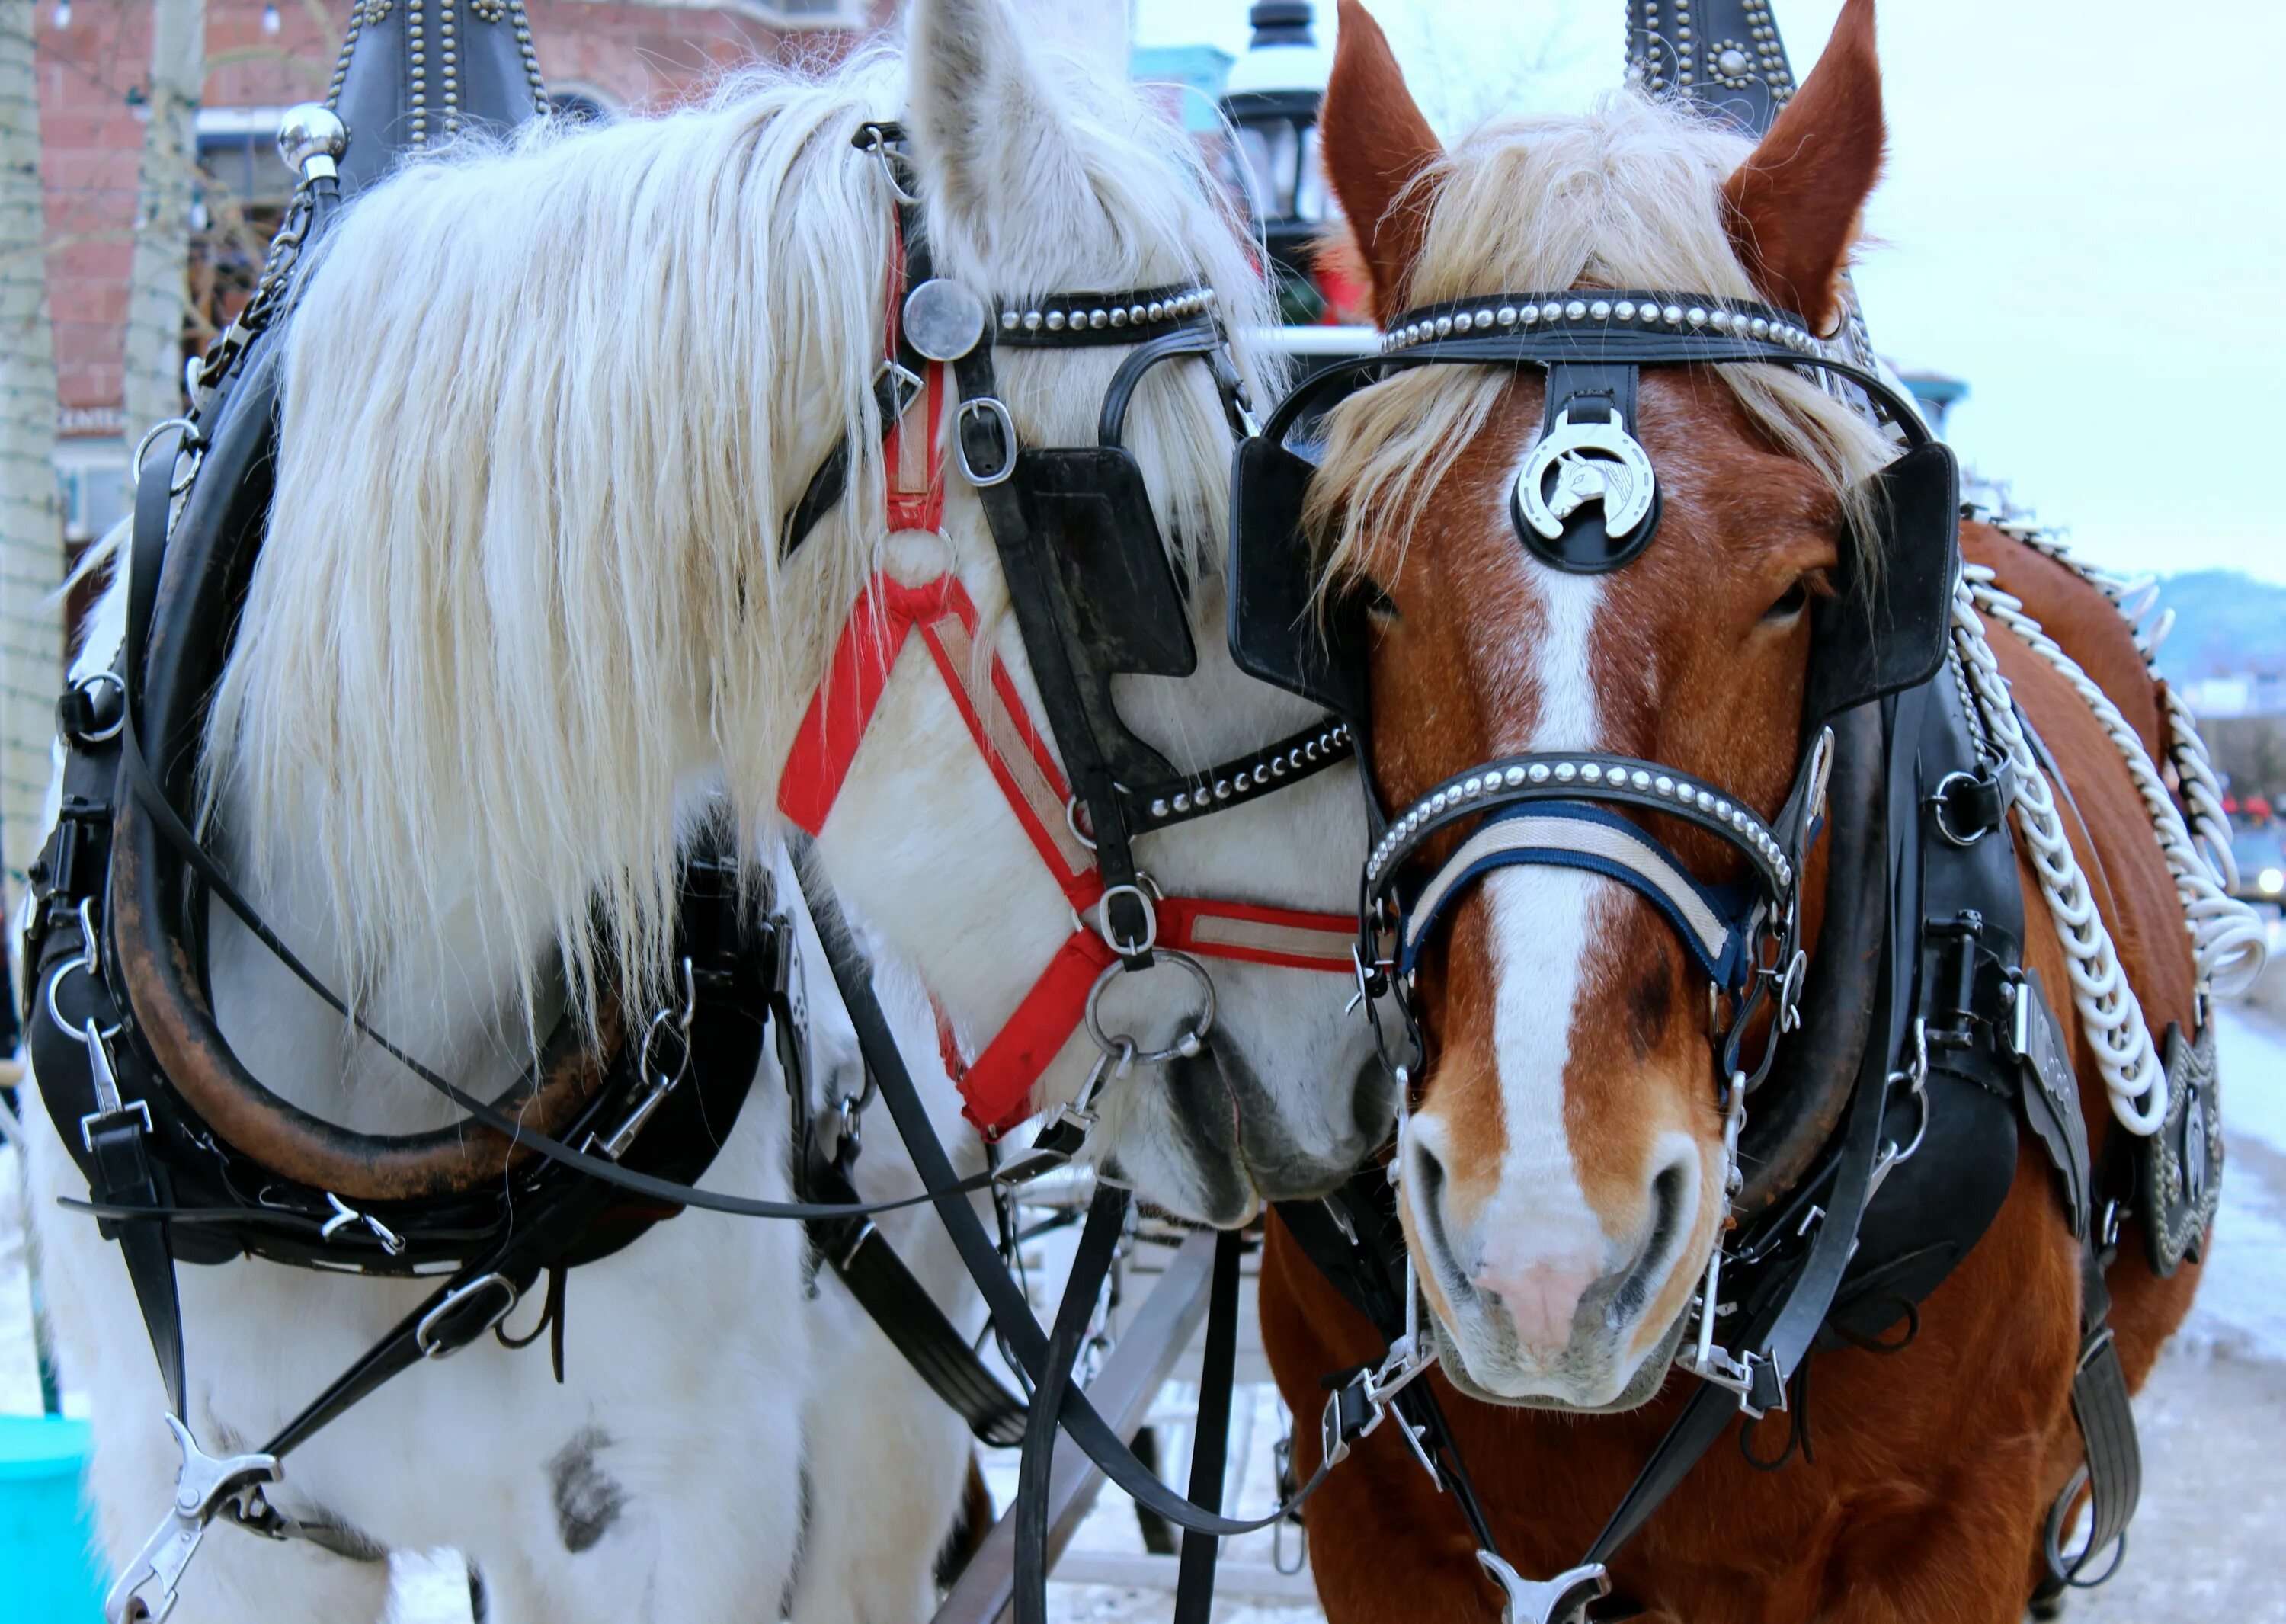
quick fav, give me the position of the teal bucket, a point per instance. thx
(48, 1572)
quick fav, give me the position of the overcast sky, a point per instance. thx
(2084, 216)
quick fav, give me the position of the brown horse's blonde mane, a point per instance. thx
(1626, 195)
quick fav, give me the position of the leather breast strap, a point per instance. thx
(909, 1316)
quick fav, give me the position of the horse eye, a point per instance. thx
(1378, 604)
(1791, 603)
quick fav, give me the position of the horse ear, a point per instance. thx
(1376, 145)
(1794, 207)
(989, 122)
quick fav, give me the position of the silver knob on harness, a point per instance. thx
(310, 137)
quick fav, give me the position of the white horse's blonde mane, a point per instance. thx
(1626, 195)
(545, 407)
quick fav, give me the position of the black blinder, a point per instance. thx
(1090, 508)
(1279, 633)
(1886, 634)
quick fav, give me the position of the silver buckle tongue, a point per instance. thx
(201, 1487)
(1561, 1600)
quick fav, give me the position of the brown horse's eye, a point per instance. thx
(1378, 604)
(1791, 603)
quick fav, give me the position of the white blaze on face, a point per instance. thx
(1538, 1243)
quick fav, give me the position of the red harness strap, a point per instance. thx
(997, 1083)
(913, 463)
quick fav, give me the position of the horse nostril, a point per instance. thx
(1667, 1193)
(1425, 1174)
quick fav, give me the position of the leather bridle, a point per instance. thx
(1094, 596)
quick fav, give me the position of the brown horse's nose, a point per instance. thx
(1543, 1297)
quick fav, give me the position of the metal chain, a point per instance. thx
(2228, 945)
(2200, 790)
(2108, 1010)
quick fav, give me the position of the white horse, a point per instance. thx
(521, 602)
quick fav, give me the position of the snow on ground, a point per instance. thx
(2213, 1421)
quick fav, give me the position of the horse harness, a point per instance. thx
(1095, 597)
(1898, 1057)
(182, 1147)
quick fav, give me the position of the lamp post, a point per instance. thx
(1272, 101)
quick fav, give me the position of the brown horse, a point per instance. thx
(1566, 1129)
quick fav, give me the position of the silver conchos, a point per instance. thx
(942, 320)
(1598, 462)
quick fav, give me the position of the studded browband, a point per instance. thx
(1594, 326)
(1580, 309)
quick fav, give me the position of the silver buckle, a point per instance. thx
(997, 409)
(423, 1334)
(108, 1105)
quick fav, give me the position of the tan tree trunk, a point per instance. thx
(31, 508)
(157, 291)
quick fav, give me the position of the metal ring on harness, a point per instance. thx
(1185, 1047)
(191, 442)
(1071, 821)
(877, 142)
(679, 1020)
(1941, 800)
(86, 689)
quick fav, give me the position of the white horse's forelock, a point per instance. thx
(544, 408)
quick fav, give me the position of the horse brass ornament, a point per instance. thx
(1578, 462)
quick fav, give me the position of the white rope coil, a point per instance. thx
(2228, 946)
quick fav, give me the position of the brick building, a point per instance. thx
(264, 56)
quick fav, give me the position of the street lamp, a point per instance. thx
(1272, 101)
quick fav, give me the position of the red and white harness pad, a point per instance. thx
(996, 1085)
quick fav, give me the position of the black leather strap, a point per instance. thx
(146, 549)
(1194, 1575)
(1099, 1242)
(1034, 593)
(861, 1255)
(1021, 1334)
(119, 1144)
(891, 394)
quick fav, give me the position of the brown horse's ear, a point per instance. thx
(1376, 145)
(1794, 208)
